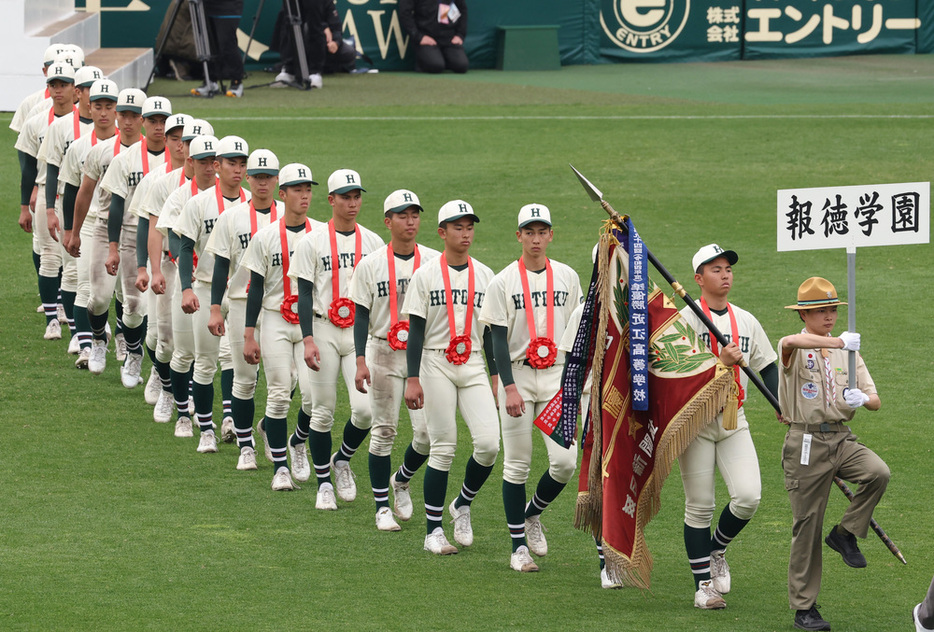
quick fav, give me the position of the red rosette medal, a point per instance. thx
(398, 335)
(289, 309)
(541, 353)
(341, 312)
(458, 352)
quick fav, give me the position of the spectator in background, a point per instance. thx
(223, 19)
(341, 56)
(438, 30)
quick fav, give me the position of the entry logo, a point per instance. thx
(643, 26)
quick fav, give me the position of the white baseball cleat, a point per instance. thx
(247, 460)
(131, 370)
(73, 347)
(120, 348)
(261, 428)
(282, 481)
(436, 543)
(165, 406)
(521, 561)
(207, 442)
(460, 516)
(343, 479)
(298, 456)
(227, 430)
(707, 597)
(607, 583)
(385, 521)
(315, 80)
(153, 387)
(60, 314)
(720, 571)
(84, 356)
(183, 427)
(402, 499)
(535, 536)
(325, 498)
(53, 331)
(284, 77)
(97, 362)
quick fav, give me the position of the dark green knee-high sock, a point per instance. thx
(319, 444)
(68, 304)
(514, 504)
(697, 545)
(118, 309)
(277, 433)
(302, 428)
(728, 528)
(410, 464)
(243, 411)
(48, 293)
(180, 386)
(83, 325)
(475, 476)
(436, 487)
(98, 325)
(352, 439)
(380, 469)
(227, 392)
(204, 404)
(546, 492)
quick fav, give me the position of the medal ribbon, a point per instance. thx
(253, 224)
(446, 277)
(77, 123)
(52, 114)
(144, 155)
(549, 300)
(734, 331)
(335, 258)
(220, 197)
(393, 300)
(284, 243)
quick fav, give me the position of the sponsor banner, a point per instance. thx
(804, 28)
(671, 30)
(854, 216)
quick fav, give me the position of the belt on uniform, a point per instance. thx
(821, 427)
(320, 317)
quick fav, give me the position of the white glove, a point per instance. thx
(855, 398)
(850, 340)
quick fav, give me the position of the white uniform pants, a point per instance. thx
(208, 347)
(103, 285)
(50, 251)
(245, 374)
(159, 333)
(335, 344)
(449, 388)
(283, 351)
(537, 387)
(733, 453)
(388, 372)
(183, 337)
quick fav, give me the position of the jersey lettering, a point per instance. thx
(133, 178)
(743, 340)
(209, 225)
(244, 240)
(458, 297)
(538, 298)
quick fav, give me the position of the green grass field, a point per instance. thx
(111, 523)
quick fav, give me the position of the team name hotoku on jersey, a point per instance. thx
(458, 297)
(344, 260)
(538, 299)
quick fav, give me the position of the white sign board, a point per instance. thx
(856, 216)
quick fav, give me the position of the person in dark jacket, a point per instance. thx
(437, 29)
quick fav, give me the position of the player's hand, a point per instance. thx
(362, 378)
(216, 321)
(142, 279)
(32, 199)
(456, 40)
(113, 261)
(855, 398)
(428, 40)
(312, 355)
(414, 396)
(190, 303)
(25, 218)
(74, 245)
(515, 406)
(251, 351)
(494, 384)
(158, 283)
(782, 419)
(730, 354)
(850, 340)
(54, 228)
(332, 47)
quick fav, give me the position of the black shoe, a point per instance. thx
(810, 619)
(846, 546)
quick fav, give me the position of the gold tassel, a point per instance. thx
(731, 410)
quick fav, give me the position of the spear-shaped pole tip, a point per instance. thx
(595, 194)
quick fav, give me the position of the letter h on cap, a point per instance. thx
(407, 197)
(238, 146)
(262, 162)
(535, 212)
(350, 179)
(462, 208)
(104, 88)
(130, 98)
(209, 146)
(301, 173)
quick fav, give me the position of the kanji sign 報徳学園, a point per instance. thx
(854, 216)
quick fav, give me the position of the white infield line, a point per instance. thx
(647, 117)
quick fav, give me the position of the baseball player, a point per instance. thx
(61, 133)
(101, 282)
(528, 306)
(103, 103)
(228, 242)
(121, 179)
(817, 402)
(923, 613)
(443, 303)
(162, 263)
(269, 257)
(61, 81)
(176, 152)
(193, 227)
(324, 264)
(725, 444)
(378, 290)
(201, 152)
(32, 101)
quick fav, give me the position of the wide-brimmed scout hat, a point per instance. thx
(814, 293)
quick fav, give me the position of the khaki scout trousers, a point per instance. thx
(808, 486)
